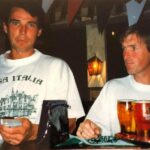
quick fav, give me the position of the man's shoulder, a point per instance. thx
(54, 61)
(51, 58)
(117, 84)
(119, 81)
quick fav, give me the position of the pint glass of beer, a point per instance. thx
(142, 117)
(126, 116)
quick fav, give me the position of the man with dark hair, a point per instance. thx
(102, 118)
(32, 7)
(28, 77)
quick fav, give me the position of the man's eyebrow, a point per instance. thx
(35, 22)
(10, 19)
(130, 45)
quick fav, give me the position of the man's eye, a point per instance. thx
(14, 22)
(133, 47)
(32, 24)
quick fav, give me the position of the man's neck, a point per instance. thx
(144, 79)
(18, 55)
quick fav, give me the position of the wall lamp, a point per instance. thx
(95, 66)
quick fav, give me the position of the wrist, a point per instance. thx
(32, 132)
(29, 132)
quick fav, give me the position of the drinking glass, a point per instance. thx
(126, 116)
(142, 117)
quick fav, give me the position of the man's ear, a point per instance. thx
(39, 32)
(5, 28)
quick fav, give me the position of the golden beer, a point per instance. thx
(126, 116)
(142, 117)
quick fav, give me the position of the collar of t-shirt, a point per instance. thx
(139, 86)
(19, 62)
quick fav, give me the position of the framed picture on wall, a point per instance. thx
(96, 57)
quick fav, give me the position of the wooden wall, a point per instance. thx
(115, 63)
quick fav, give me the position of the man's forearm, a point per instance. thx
(72, 124)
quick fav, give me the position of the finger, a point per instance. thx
(11, 130)
(85, 130)
(13, 137)
(86, 135)
(82, 134)
(13, 141)
(5, 134)
(79, 132)
(19, 130)
(88, 129)
(97, 131)
(95, 128)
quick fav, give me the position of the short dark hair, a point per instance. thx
(141, 31)
(32, 7)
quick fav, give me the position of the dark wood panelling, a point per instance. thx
(115, 64)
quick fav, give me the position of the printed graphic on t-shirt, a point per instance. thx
(20, 78)
(17, 104)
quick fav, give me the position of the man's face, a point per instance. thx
(22, 30)
(136, 55)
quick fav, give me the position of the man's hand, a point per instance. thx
(88, 130)
(15, 135)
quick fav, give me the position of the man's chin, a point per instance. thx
(130, 72)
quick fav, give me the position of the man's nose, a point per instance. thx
(126, 53)
(23, 29)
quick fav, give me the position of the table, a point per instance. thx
(34, 146)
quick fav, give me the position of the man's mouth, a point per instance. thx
(129, 64)
(22, 40)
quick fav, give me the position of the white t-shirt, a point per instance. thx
(104, 110)
(25, 83)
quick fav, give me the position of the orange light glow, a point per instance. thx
(94, 66)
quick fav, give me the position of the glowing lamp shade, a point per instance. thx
(94, 66)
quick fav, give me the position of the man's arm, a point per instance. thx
(72, 124)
